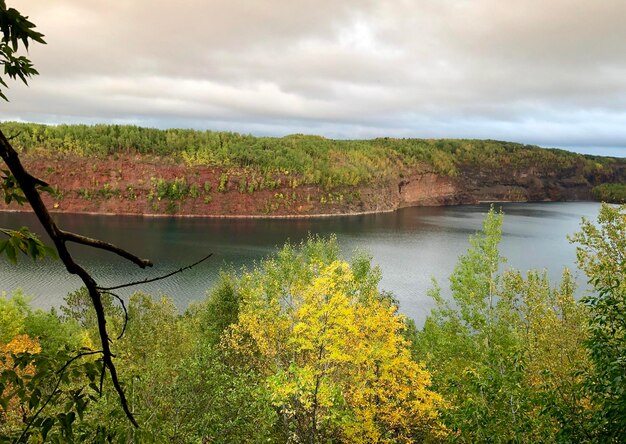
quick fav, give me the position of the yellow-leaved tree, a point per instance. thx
(11, 410)
(331, 349)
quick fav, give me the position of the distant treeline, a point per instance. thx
(317, 160)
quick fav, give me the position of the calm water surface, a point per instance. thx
(411, 246)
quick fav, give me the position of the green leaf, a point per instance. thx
(10, 252)
(33, 250)
(49, 251)
(46, 426)
(33, 402)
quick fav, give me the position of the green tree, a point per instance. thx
(16, 30)
(601, 254)
(506, 351)
(217, 398)
(42, 390)
(610, 192)
(209, 396)
(220, 310)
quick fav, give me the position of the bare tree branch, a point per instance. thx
(101, 380)
(96, 243)
(29, 184)
(159, 278)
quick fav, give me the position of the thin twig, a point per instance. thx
(96, 243)
(125, 312)
(102, 379)
(159, 278)
(78, 356)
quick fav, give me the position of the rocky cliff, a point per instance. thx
(156, 186)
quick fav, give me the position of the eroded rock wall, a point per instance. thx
(129, 185)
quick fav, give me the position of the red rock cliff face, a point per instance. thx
(129, 185)
(429, 189)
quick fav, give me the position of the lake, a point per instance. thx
(411, 246)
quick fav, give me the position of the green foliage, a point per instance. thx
(194, 192)
(13, 311)
(212, 394)
(223, 186)
(175, 190)
(44, 391)
(610, 192)
(17, 317)
(221, 308)
(53, 393)
(78, 308)
(298, 159)
(16, 30)
(306, 348)
(10, 189)
(206, 397)
(22, 240)
(108, 192)
(26, 242)
(507, 351)
(601, 253)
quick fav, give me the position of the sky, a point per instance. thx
(545, 72)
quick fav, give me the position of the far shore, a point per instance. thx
(270, 216)
(214, 216)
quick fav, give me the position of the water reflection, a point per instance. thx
(411, 246)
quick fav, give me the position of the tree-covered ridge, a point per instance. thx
(316, 160)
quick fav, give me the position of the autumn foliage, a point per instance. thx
(333, 354)
(12, 411)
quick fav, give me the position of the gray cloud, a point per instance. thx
(550, 72)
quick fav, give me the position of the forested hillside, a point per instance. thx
(129, 169)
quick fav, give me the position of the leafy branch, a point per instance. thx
(25, 241)
(48, 422)
(16, 29)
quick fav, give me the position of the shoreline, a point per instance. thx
(283, 216)
(214, 216)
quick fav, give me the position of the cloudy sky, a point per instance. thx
(547, 72)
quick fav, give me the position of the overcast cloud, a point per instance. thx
(548, 72)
